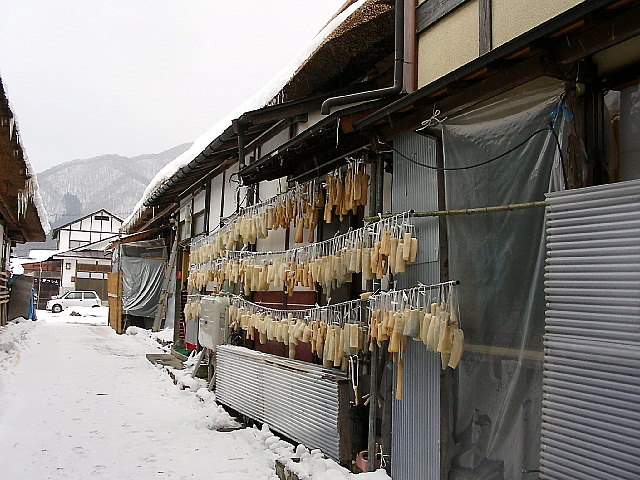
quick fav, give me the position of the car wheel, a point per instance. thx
(56, 308)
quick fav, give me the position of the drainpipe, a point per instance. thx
(397, 70)
(240, 129)
(410, 70)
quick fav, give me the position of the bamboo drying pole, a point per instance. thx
(467, 211)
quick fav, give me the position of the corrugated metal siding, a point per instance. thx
(591, 406)
(296, 399)
(416, 419)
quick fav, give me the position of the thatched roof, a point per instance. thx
(20, 202)
(356, 55)
(348, 53)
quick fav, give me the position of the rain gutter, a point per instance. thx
(398, 68)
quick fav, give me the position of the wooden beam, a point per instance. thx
(600, 37)
(497, 84)
(486, 26)
(431, 11)
(163, 213)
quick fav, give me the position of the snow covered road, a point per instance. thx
(79, 401)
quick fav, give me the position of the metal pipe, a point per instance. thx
(398, 67)
(410, 74)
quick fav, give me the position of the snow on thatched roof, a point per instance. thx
(311, 62)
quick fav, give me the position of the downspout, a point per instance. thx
(398, 67)
(240, 129)
(410, 69)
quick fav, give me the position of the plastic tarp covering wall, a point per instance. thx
(142, 282)
(499, 258)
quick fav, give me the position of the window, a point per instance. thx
(90, 295)
(102, 218)
(74, 296)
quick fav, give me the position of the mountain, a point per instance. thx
(77, 188)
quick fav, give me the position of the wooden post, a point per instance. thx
(114, 284)
(446, 375)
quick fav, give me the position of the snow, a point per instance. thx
(37, 198)
(78, 400)
(35, 256)
(259, 100)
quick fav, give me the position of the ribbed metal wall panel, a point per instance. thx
(591, 406)
(297, 399)
(416, 419)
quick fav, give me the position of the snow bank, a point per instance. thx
(216, 417)
(13, 340)
(259, 100)
(310, 464)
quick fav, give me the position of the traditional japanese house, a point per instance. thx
(533, 105)
(22, 215)
(500, 137)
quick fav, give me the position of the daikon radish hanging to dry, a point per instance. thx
(457, 348)
(400, 380)
(400, 264)
(354, 337)
(424, 330)
(432, 334)
(398, 327)
(339, 348)
(393, 250)
(299, 236)
(320, 341)
(444, 340)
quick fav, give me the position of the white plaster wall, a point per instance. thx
(448, 44)
(63, 240)
(619, 56)
(215, 202)
(198, 202)
(230, 192)
(512, 18)
(275, 142)
(80, 236)
(67, 284)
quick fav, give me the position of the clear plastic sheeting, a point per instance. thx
(499, 258)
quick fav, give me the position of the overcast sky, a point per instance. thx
(91, 77)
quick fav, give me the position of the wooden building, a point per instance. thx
(509, 130)
(84, 266)
(22, 215)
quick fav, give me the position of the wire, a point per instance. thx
(564, 173)
(511, 150)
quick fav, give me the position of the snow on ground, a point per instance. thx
(77, 400)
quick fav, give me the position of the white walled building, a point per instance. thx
(84, 267)
(89, 229)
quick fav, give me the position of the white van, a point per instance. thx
(85, 298)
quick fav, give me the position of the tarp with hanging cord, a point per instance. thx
(500, 256)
